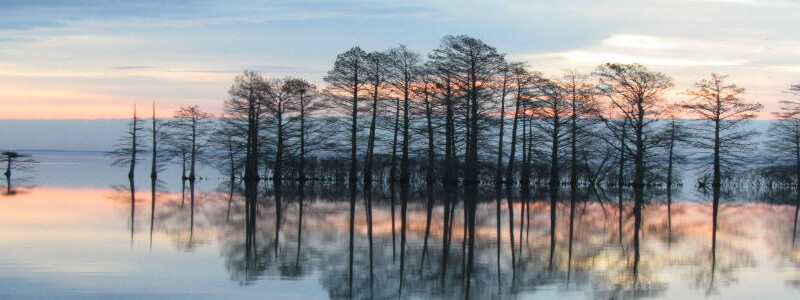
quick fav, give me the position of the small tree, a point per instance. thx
(674, 134)
(129, 146)
(188, 130)
(723, 111)
(13, 160)
(157, 135)
(229, 145)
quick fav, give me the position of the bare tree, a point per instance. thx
(635, 92)
(429, 108)
(552, 112)
(228, 142)
(404, 72)
(723, 111)
(473, 64)
(675, 133)
(278, 105)
(246, 107)
(157, 157)
(187, 135)
(376, 72)
(345, 87)
(442, 89)
(305, 95)
(523, 86)
(129, 146)
(13, 159)
(784, 137)
(579, 94)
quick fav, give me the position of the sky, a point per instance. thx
(89, 59)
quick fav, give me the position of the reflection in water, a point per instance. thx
(132, 188)
(714, 214)
(152, 208)
(493, 242)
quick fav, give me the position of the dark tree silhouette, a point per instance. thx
(579, 94)
(675, 134)
(473, 65)
(129, 146)
(635, 92)
(278, 104)
(784, 135)
(719, 105)
(523, 86)
(305, 94)
(187, 135)
(346, 83)
(155, 131)
(404, 72)
(13, 160)
(376, 72)
(552, 111)
(228, 144)
(245, 106)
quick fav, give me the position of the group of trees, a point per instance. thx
(467, 114)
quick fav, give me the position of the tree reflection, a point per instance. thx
(508, 242)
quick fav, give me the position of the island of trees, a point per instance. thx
(465, 114)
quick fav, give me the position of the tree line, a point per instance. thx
(464, 113)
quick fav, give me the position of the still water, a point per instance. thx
(71, 229)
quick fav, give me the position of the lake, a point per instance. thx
(71, 228)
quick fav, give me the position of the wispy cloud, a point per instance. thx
(134, 68)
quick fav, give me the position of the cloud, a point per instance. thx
(600, 57)
(638, 41)
(134, 68)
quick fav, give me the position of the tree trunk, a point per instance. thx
(498, 176)
(512, 150)
(554, 179)
(153, 163)
(193, 157)
(371, 140)
(405, 175)
(302, 138)
(431, 148)
(354, 127)
(396, 131)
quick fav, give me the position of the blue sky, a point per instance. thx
(95, 59)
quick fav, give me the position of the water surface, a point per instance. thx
(72, 229)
